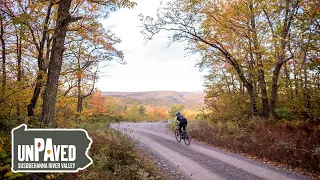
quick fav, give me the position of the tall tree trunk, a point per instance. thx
(4, 72)
(36, 92)
(19, 58)
(79, 74)
(79, 106)
(274, 90)
(264, 95)
(261, 77)
(253, 105)
(296, 83)
(281, 57)
(249, 87)
(79, 78)
(306, 94)
(252, 92)
(50, 93)
(41, 64)
(318, 87)
(288, 80)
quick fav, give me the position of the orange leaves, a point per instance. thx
(157, 113)
(97, 103)
(79, 74)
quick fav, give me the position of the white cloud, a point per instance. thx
(150, 66)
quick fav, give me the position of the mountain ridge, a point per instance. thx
(160, 98)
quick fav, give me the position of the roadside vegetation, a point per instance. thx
(292, 145)
(262, 84)
(115, 156)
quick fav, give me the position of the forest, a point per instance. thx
(36, 37)
(262, 86)
(262, 56)
(263, 82)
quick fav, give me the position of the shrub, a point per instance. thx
(114, 156)
(285, 113)
(293, 143)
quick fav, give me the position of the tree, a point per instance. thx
(34, 34)
(255, 38)
(29, 15)
(42, 59)
(183, 20)
(175, 108)
(50, 93)
(63, 19)
(3, 57)
(88, 51)
(97, 103)
(142, 110)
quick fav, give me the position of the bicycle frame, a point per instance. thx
(184, 134)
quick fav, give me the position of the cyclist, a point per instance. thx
(182, 121)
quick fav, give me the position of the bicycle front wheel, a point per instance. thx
(186, 138)
(177, 135)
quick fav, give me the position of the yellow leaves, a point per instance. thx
(260, 50)
(3, 139)
(125, 3)
(8, 174)
(34, 7)
(50, 176)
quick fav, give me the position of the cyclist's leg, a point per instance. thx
(182, 123)
(180, 126)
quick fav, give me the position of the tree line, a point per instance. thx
(262, 57)
(133, 112)
(52, 50)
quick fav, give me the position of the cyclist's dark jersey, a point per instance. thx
(181, 118)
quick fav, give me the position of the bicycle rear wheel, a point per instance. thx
(177, 135)
(186, 138)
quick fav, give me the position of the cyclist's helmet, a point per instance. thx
(177, 113)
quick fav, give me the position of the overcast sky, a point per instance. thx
(152, 66)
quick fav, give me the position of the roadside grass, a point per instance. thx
(295, 145)
(115, 156)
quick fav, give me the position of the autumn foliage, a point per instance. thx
(263, 74)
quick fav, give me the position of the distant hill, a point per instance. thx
(160, 98)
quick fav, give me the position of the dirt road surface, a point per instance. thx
(197, 161)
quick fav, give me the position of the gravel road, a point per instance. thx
(197, 161)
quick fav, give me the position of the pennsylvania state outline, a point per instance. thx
(77, 141)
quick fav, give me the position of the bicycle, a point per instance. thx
(184, 135)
